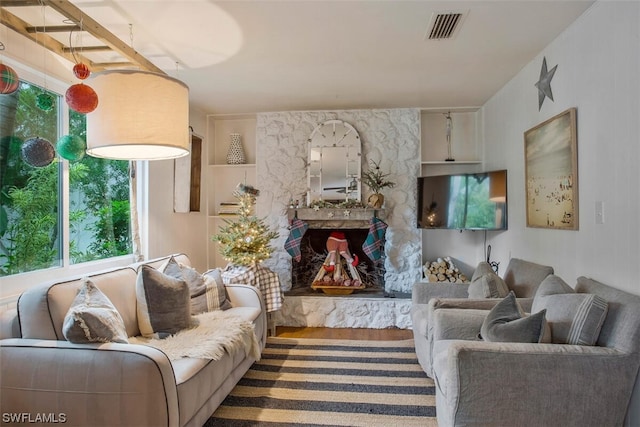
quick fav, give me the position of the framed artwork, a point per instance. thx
(551, 173)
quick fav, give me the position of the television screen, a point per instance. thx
(471, 201)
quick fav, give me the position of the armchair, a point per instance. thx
(496, 384)
(522, 277)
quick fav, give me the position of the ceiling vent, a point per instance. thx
(444, 25)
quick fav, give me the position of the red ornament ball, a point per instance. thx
(81, 98)
(9, 81)
(81, 71)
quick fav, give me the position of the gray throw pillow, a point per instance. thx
(485, 283)
(214, 293)
(207, 291)
(506, 322)
(92, 317)
(574, 318)
(163, 303)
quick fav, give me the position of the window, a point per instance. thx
(98, 204)
(33, 233)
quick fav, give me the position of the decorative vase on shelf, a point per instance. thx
(235, 155)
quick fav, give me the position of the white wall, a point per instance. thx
(598, 60)
(170, 232)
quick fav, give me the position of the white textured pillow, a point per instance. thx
(92, 317)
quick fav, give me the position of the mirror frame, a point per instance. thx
(328, 135)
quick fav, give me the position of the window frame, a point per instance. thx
(12, 286)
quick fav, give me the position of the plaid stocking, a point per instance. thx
(292, 245)
(373, 244)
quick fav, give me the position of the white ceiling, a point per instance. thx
(256, 56)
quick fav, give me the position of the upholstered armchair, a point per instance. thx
(522, 277)
(480, 383)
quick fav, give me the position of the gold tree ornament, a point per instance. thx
(246, 240)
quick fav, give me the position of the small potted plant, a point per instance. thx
(376, 180)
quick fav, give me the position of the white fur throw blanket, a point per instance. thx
(213, 333)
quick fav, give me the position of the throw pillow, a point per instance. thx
(574, 318)
(215, 293)
(485, 283)
(506, 322)
(92, 317)
(207, 292)
(481, 269)
(163, 303)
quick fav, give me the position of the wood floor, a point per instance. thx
(344, 333)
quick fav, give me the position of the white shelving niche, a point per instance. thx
(465, 148)
(222, 178)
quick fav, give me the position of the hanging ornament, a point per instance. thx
(9, 81)
(81, 98)
(71, 147)
(81, 71)
(44, 101)
(38, 152)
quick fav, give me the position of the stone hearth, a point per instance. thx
(353, 311)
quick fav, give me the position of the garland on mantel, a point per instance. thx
(349, 204)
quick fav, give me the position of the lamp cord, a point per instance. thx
(487, 253)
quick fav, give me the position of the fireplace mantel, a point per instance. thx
(336, 218)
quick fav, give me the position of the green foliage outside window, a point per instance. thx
(31, 236)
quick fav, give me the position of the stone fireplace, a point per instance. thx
(391, 138)
(314, 252)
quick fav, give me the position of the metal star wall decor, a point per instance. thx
(544, 84)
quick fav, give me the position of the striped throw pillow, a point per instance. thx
(588, 320)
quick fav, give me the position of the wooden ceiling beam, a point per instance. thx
(69, 10)
(41, 39)
(20, 3)
(88, 49)
(75, 15)
(53, 29)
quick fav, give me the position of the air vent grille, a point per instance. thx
(443, 25)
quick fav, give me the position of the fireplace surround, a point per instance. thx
(390, 137)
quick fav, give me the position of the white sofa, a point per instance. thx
(112, 384)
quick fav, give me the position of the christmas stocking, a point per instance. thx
(373, 244)
(296, 231)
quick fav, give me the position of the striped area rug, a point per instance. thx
(317, 382)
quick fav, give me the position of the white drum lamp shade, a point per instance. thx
(140, 116)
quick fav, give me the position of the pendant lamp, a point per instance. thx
(141, 116)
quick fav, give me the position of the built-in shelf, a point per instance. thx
(457, 162)
(243, 165)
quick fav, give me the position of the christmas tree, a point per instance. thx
(245, 241)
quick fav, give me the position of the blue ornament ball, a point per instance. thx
(71, 147)
(38, 152)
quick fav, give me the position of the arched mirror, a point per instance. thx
(333, 169)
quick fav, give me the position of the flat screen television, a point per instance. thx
(467, 201)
